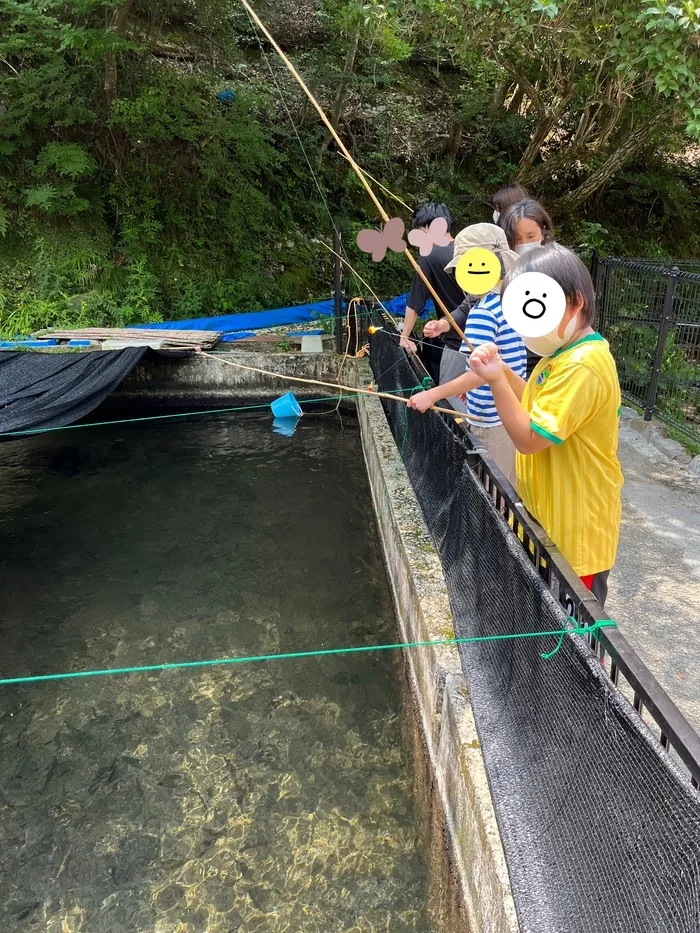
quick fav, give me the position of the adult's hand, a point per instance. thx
(407, 344)
(436, 328)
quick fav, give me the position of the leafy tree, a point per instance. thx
(597, 81)
(131, 186)
(104, 132)
(365, 26)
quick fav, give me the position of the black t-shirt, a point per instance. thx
(444, 283)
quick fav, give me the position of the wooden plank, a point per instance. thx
(182, 338)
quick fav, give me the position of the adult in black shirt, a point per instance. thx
(445, 285)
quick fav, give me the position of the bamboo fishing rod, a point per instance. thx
(351, 390)
(356, 168)
(386, 190)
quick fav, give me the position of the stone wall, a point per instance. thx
(172, 380)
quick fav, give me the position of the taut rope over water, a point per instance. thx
(250, 659)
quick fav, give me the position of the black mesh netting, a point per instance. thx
(600, 832)
(48, 390)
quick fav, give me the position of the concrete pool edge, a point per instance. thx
(172, 380)
(439, 692)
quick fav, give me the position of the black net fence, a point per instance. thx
(601, 830)
(685, 265)
(650, 314)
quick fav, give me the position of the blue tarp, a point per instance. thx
(232, 324)
(239, 326)
(38, 344)
(397, 306)
(242, 335)
(254, 320)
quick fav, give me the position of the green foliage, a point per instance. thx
(66, 159)
(55, 199)
(593, 237)
(380, 24)
(94, 310)
(672, 53)
(634, 346)
(158, 200)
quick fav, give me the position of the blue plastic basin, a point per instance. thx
(286, 406)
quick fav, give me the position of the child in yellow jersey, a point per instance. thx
(564, 423)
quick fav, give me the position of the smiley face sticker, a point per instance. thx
(533, 304)
(478, 271)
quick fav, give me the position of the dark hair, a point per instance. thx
(427, 213)
(528, 209)
(507, 195)
(564, 266)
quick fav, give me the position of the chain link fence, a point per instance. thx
(650, 314)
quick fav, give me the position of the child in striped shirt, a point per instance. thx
(485, 324)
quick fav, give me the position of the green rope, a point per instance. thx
(423, 386)
(183, 414)
(149, 668)
(550, 654)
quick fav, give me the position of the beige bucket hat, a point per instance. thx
(486, 236)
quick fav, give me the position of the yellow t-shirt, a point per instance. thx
(573, 487)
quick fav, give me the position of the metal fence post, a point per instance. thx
(338, 291)
(666, 320)
(600, 280)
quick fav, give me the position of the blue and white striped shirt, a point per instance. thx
(486, 324)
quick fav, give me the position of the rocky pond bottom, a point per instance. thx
(270, 797)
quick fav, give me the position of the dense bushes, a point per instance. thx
(130, 191)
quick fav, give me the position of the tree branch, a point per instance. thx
(545, 127)
(634, 141)
(345, 79)
(117, 25)
(523, 83)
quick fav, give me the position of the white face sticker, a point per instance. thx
(533, 304)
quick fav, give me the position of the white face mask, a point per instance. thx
(496, 215)
(551, 342)
(526, 247)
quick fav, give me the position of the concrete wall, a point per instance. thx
(470, 889)
(167, 379)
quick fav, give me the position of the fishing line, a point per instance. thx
(383, 187)
(341, 145)
(379, 302)
(331, 385)
(291, 121)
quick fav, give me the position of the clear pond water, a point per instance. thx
(267, 797)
